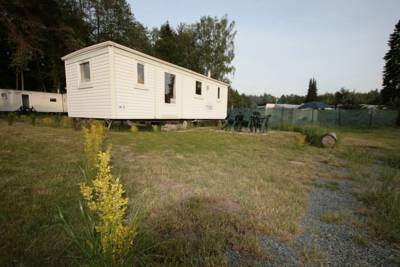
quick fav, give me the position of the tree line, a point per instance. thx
(344, 97)
(34, 35)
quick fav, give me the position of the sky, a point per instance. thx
(280, 45)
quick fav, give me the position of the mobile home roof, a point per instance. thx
(110, 43)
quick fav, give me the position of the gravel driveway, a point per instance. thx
(332, 244)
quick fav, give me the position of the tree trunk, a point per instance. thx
(22, 80)
(16, 78)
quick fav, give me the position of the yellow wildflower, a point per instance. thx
(94, 136)
(105, 198)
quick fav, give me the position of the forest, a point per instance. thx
(34, 35)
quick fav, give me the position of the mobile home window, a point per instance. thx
(140, 73)
(85, 72)
(53, 100)
(198, 88)
(219, 93)
(169, 88)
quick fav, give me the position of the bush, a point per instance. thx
(313, 134)
(10, 118)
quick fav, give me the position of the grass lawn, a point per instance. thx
(199, 193)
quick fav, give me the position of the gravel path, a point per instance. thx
(334, 244)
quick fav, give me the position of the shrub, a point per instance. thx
(313, 134)
(10, 118)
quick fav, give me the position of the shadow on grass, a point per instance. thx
(199, 231)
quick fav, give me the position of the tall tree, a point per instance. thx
(138, 37)
(391, 74)
(108, 19)
(215, 43)
(189, 54)
(113, 20)
(165, 44)
(312, 91)
(24, 29)
(36, 34)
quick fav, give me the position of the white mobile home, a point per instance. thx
(12, 100)
(111, 81)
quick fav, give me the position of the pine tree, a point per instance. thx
(312, 91)
(165, 44)
(391, 74)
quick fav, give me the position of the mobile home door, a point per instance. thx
(25, 101)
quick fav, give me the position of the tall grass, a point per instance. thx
(387, 201)
(381, 186)
(11, 118)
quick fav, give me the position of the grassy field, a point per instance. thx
(198, 193)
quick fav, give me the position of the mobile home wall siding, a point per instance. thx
(204, 106)
(134, 100)
(93, 100)
(148, 101)
(187, 104)
(11, 100)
